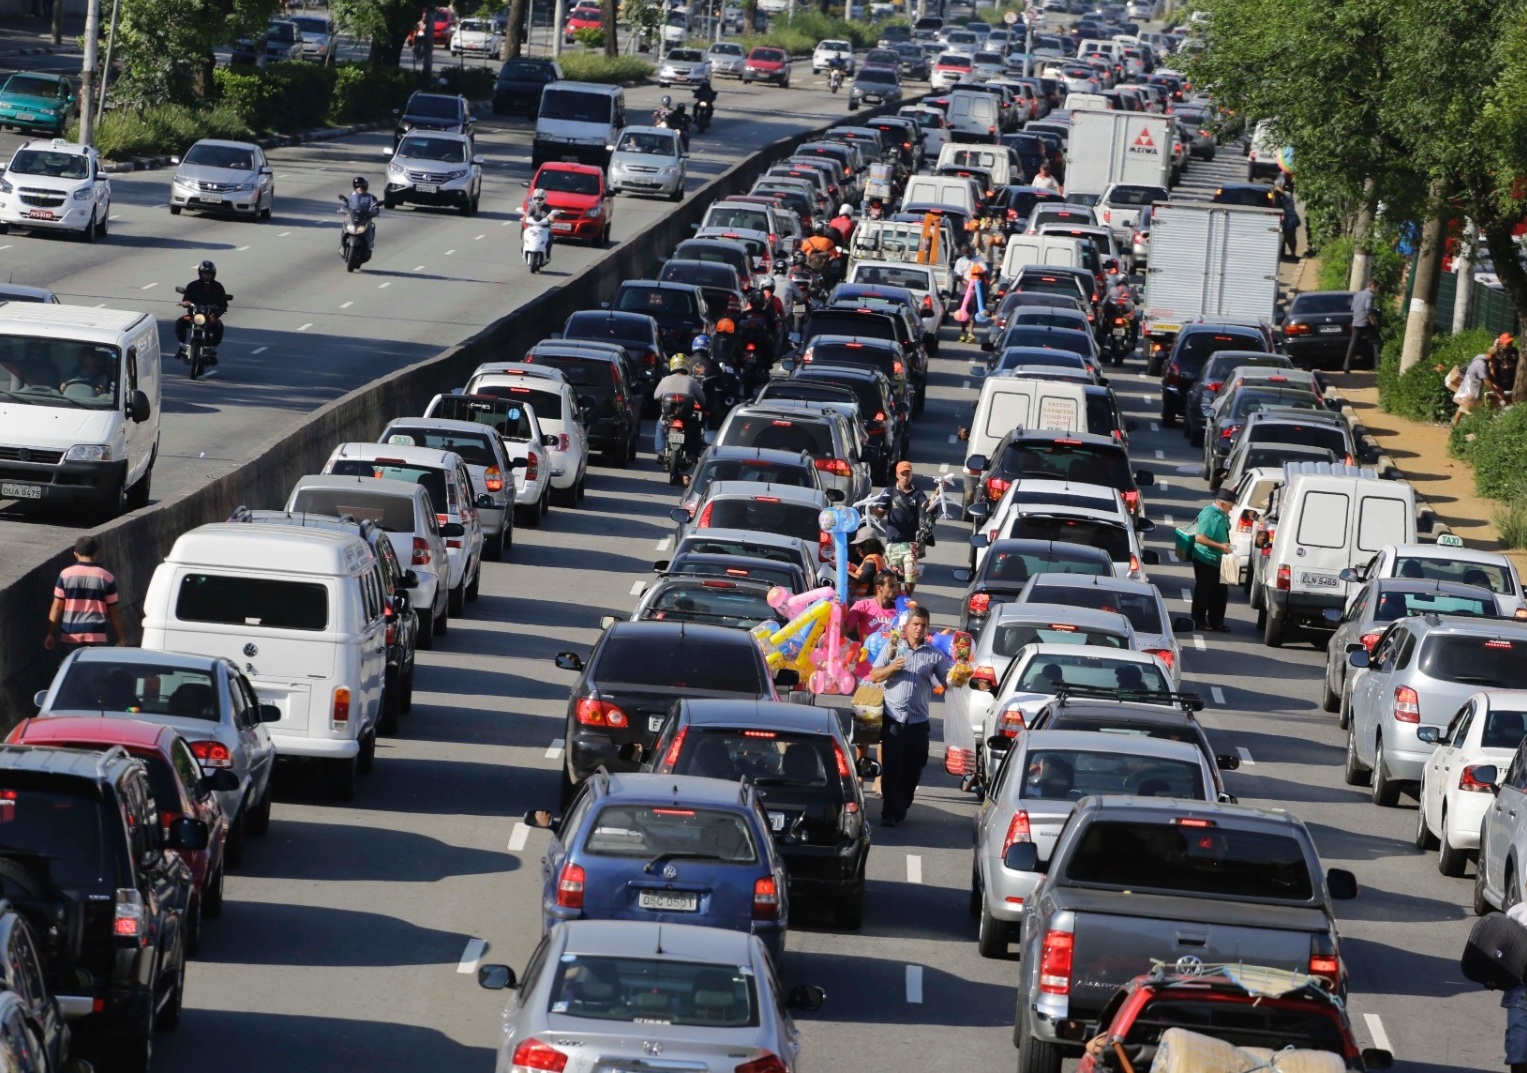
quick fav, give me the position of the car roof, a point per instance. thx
(766, 454)
(677, 631)
(1097, 581)
(758, 714)
(414, 456)
(380, 485)
(90, 764)
(1090, 741)
(747, 536)
(1428, 585)
(662, 942)
(619, 315)
(675, 789)
(1048, 435)
(148, 657)
(134, 733)
(1060, 648)
(658, 284)
(1442, 551)
(753, 489)
(441, 423)
(1087, 617)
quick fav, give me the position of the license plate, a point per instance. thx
(212, 199)
(25, 115)
(1321, 581)
(668, 901)
(654, 722)
(40, 214)
(427, 188)
(20, 491)
(1159, 327)
(1329, 329)
(777, 821)
(561, 227)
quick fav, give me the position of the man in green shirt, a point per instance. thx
(1210, 543)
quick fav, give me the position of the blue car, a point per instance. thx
(666, 848)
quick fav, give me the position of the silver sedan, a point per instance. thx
(726, 59)
(223, 177)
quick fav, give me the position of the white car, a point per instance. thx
(558, 409)
(726, 57)
(319, 41)
(486, 460)
(55, 186)
(1251, 499)
(919, 279)
(827, 51)
(1078, 514)
(684, 67)
(1485, 732)
(476, 37)
(1440, 562)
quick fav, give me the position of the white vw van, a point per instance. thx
(578, 121)
(301, 612)
(79, 407)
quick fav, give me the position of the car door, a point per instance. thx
(1368, 688)
(254, 738)
(1346, 632)
(1503, 824)
(373, 643)
(1450, 746)
(470, 514)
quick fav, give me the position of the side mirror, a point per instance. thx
(836, 495)
(962, 575)
(1348, 574)
(525, 183)
(519, 463)
(496, 978)
(187, 833)
(979, 511)
(387, 152)
(976, 463)
(868, 769)
(631, 752)
(1021, 857)
(805, 997)
(453, 529)
(661, 566)
(477, 161)
(999, 743)
(1227, 762)
(1144, 525)
(1182, 623)
(1376, 1058)
(138, 407)
(568, 661)
(550, 439)
(411, 579)
(680, 515)
(269, 713)
(1145, 478)
(1488, 774)
(1429, 735)
(1150, 557)
(787, 678)
(174, 160)
(1358, 659)
(485, 502)
(1341, 884)
(588, 402)
(221, 781)
(542, 819)
(980, 540)
(607, 621)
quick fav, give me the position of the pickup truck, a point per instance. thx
(1134, 880)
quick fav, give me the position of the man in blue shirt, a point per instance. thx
(908, 669)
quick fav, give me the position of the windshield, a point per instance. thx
(232, 157)
(1332, 439)
(588, 376)
(1195, 348)
(310, 24)
(763, 514)
(654, 991)
(525, 71)
(1127, 196)
(137, 688)
(1253, 398)
(768, 55)
(394, 514)
(665, 661)
(768, 757)
(61, 831)
(687, 55)
(574, 106)
(716, 602)
(264, 602)
(1079, 463)
(51, 164)
(1487, 662)
(1219, 860)
(31, 86)
(58, 372)
(426, 147)
(780, 434)
(435, 106)
(282, 31)
(648, 143)
(474, 450)
(568, 182)
(647, 831)
(600, 325)
(1000, 565)
(1047, 673)
(1008, 638)
(1493, 576)
(656, 301)
(1072, 774)
(1141, 609)
(432, 480)
(1111, 538)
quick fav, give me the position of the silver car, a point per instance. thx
(726, 59)
(1139, 601)
(434, 167)
(685, 66)
(205, 698)
(1420, 672)
(1038, 782)
(487, 463)
(219, 176)
(614, 994)
(319, 41)
(649, 160)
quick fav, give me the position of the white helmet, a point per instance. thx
(845, 209)
(538, 196)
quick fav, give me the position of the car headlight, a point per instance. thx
(241, 188)
(181, 180)
(669, 170)
(462, 174)
(395, 169)
(84, 193)
(89, 452)
(594, 212)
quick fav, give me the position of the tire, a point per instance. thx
(1195, 437)
(1168, 418)
(493, 547)
(1510, 894)
(974, 903)
(849, 911)
(137, 495)
(1344, 710)
(354, 260)
(566, 790)
(169, 1017)
(1424, 839)
(992, 936)
(568, 497)
(174, 210)
(1450, 862)
(1482, 906)
(257, 820)
(456, 602)
(678, 194)
(407, 704)
(233, 850)
(212, 897)
(1254, 597)
(341, 775)
(1353, 773)
(366, 760)
(1035, 1056)
(89, 234)
(192, 925)
(475, 585)
(137, 1055)
(675, 466)
(1386, 791)
(387, 723)
(1272, 631)
(443, 620)
(1330, 700)
(426, 637)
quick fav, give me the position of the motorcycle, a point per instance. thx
(756, 337)
(835, 77)
(723, 390)
(199, 353)
(357, 235)
(535, 243)
(678, 411)
(703, 112)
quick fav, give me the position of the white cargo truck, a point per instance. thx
(1117, 147)
(1209, 261)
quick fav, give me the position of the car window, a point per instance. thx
(621, 829)
(589, 376)
(1378, 519)
(779, 434)
(1046, 673)
(474, 450)
(767, 757)
(1323, 524)
(1516, 777)
(1223, 861)
(763, 514)
(62, 827)
(1486, 662)
(186, 765)
(432, 480)
(1407, 649)
(556, 180)
(654, 990)
(1492, 576)
(711, 600)
(1109, 537)
(1458, 730)
(1008, 638)
(1072, 774)
(662, 660)
(1503, 729)
(137, 688)
(392, 513)
(1003, 565)
(1142, 610)
(268, 603)
(1069, 460)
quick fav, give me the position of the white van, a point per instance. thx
(1024, 250)
(1009, 402)
(79, 407)
(948, 190)
(1326, 518)
(578, 121)
(1112, 49)
(301, 613)
(974, 117)
(1092, 102)
(994, 159)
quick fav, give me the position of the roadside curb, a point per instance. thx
(45, 50)
(277, 141)
(1386, 467)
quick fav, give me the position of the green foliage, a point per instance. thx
(593, 67)
(1511, 521)
(281, 97)
(799, 35)
(1500, 456)
(589, 37)
(385, 23)
(1464, 439)
(362, 96)
(646, 16)
(165, 46)
(171, 128)
(473, 83)
(1384, 264)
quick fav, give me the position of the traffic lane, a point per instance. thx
(1403, 934)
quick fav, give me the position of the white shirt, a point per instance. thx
(1474, 377)
(1045, 182)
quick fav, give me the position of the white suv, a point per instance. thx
(827, 51)
(56, 186)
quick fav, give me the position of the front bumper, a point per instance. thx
(627, 180)
(582, 229)
(61, 483)
(72, 215)
(453, 193)
(28, 120)
(234, 201)
(753, 74)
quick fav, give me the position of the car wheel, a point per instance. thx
(1168, 418)
(493, 547)
(1344, 709)
(1353, 772)
(568, 496)
(257, 820)
(456, 603)
(1424, 840)
(426, 638)
(1450, 862)
(566, 789)
(849, 911)
(1273, 630)
(169, 1016)
(342, 778)
(992, 936)
(1254, 598)
(1386, 791)
(443, 620)
(233, 849)
(1034, 1055)
(391, 704)
(192, 924)
(974, 903)
(406, 703)
(1510, 894)
(88, 235)
(365, 761)
(582, 486)
(212, 897)
(475, 585)
(1330, 700)
(1482, 906)
(175, 210)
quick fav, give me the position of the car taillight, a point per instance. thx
(1055, 963)
(1467, 781)
(927, 303)
(532, 468)
(421, 552)
(1010, 721)
(769, 1063)
(1268, 535)
(1173, 374)
(841, 758)
(765, 899)
(824, 548)
(995, 487)
(1243, 523)
(340, 712)
(980, 603)
(493, 480)
(1371, 639)
(1163, 654)
(1137, 237)
(130, 920)
(1323, 959)
(212, 754)
(671, 757)
(593, 712)
(1017, 831)
(1212, 386)
(1283, 578)
(570, 888)
(836, 466)
(1134, 566)
(704, 520)
(1296, 329)
(1407, 705)
(649, 358)
(564, 442)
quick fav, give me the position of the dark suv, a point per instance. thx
(434, 111)
(86, 858)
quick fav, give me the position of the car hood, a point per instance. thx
(419, 164)
(429, 122)
(564, 199)
(766, 65)
(55, 427)
(26, 100)
(201, 173)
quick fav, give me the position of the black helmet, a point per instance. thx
(679, 108)
(819, 228)
(798, 260)
(206, 270)
(755, 297)
(359, 183)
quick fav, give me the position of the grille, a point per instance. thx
(31, 454)
(428, 177)
(215, 187)
(42, 199)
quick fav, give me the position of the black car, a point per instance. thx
(913, 62)
(742, 567)
(875, 85)
(755, 464)
(1009, 564)
(519, 85)
(1318, 326)
(1016, 201)
(717, 280)
(1200, 397)
(862, 316)
(903, 134)
(883, 355)
(800, 759)
(1193, 346)
(1078, 457)
(1226, 420)
(434, 111)
(636, 332)
(885, 422)
(29, 1013)
(89, 862)
(678, 308)
(632, 678)
(601, 375)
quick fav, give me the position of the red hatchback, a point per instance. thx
(582, 17)
(767, 65)
(580, 201)
(180, 789)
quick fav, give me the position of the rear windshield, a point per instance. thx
(852, 354)
(245, 601)
(432, 480)
(394, 514)
(763, 514)
(647, 831)
(1071, 774)
(1322, 303)
(1490, 576)
(1332, 439)
(914, 279)
(547, 404)
(656, 301)
(55, 834)
(1007, 639)
(1097, 534)
(737, 216)
(1486, 662)
(849, 322)
(715, 602)
(1141, 609)
(1194, 350)
(703, 268)
(653, 990)
(700, 544)
(589, 376)
(755, 470)
(781, 575)
(768, 757)
(1046, 674)
(866, 392)
(1250, 399)
(1001, 565)
(138, 688)
(780, 434)
(1080, 463)
(662, 660)
(1216, 860)
(474, 450)
(1276, 456)
(1136, 195)
(598, 326)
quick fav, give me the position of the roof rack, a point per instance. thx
(1188, 702)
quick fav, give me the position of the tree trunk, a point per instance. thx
(1463, 267)
(1357, 278)
(202, 80)
(1423, 295)
(749, 17)
(515, 35)
(1497, 238)
(611, 45)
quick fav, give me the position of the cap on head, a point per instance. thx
(1225, 494)
(85, 547)
(1506, 339)
(903, 467)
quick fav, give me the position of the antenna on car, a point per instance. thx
(659, 949)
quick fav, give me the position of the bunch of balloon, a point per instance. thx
(806, 615)
(835, 658)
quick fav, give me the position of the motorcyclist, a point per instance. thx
(876, 209)
(836, 67)
(843, 223)
(1121, 303)
(664, 110)
(204, 290)
(820, 249)
(681, 121)
(775, 304)
(677, 382)
(365, 206)
(537, 212)
(705, 93)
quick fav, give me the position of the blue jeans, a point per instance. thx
(1514, 1002)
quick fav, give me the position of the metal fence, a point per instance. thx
(1489, 307)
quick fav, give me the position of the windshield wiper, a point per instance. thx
(664, 858)
(18, 397)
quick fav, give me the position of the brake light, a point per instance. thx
(1173, 374)
(339, 714)
(1229, 431)
(765, 899)
(842, 760)
(1283, 578)
(421, 552)
(1134, 565)
(927, 303)
(1017, 831)
(671, 757)
(1407, 705)
(1371, 639)
(1212, 386)
(213, 754)
(1163, 654)
(493, 480)
(569, 896)
(1296, 329)
(979, 604)
(593, 712)
(995, 487)
(1055, 963)
(704, 520)
(130, 921)
(1323, 959)
(769, 1063)
(836, 466)
(1467, 781)
(1132, 500)
(1010, 722)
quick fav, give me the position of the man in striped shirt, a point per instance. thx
(84, 599)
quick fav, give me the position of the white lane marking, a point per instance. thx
(418, 268)
(914, 868)
(346, 305)
(1155, 426)
(665, 543)
(476, 948)
(260, 349)
(555, 749)
(506, 223)
(305, 327)
(1218, 694)
(517, 837)
(148, 286)
(1198, 642)
(479, 238)
(1187, 596)
(283, 234)
(447, 254)
(1145, 398)
(241, 249)
(637, 587)
(1160, 454)
(1166, 519)
(1376, 1030)
(6, 247)
(1163, 485)
(943, 467)
(966, 385)
(99, 305)
(384, 286)
(915, 983)
(1247, 761)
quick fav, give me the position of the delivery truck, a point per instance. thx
(1117, 147)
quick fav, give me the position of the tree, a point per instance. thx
(165, 46)
(644, 18)
(385, 23)
(607, 23)
(515, 33)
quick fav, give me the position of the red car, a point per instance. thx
(583, 17)
(581, 203)
(1243, 1005)
(767, 65)
(180, 789)
(445, 26)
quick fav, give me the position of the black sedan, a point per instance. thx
(678, 308)
(875, 85)
(1318, 326)
(637, 332)
(519, 86)
(434, 111)
(914, 62)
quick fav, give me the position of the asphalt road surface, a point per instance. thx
(351, 936)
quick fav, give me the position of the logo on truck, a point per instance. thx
(1144, 143)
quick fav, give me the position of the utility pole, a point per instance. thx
(429, 48)
(1463, 295)
(87, 71)
(1423, 296)
(558, 23)
(111, 42)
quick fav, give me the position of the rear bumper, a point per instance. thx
(1305, 607)
(300, 745)
(824, 870)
